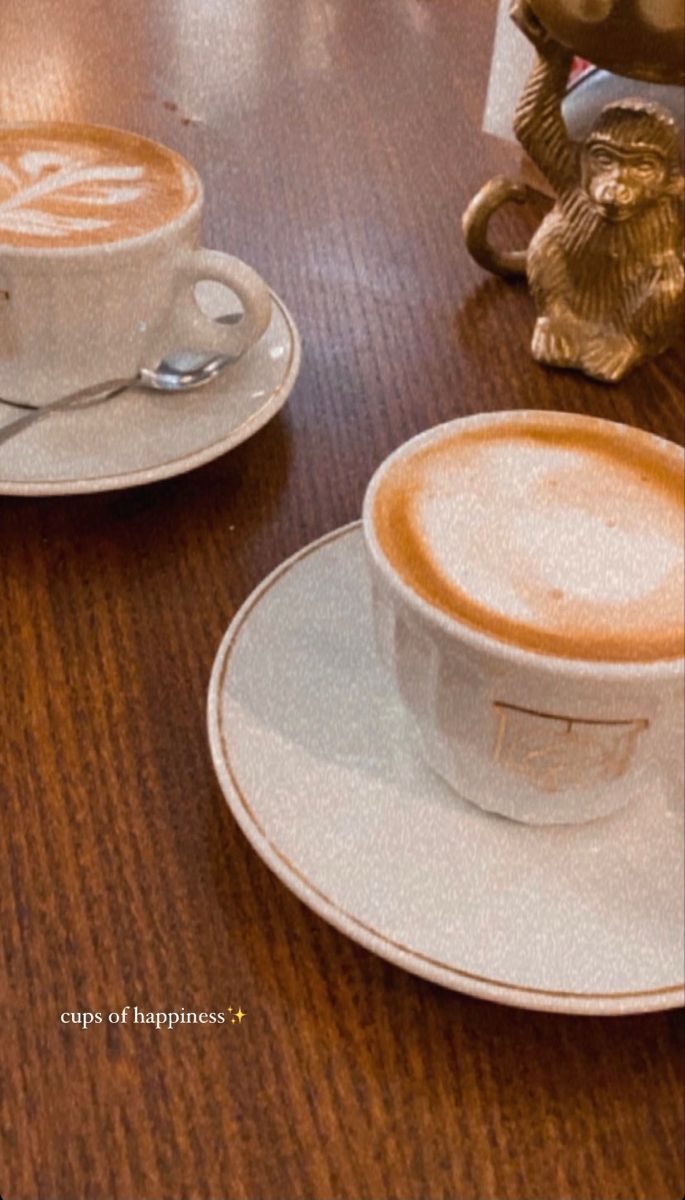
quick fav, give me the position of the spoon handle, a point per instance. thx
(98, 391)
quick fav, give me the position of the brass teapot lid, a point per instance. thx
(642, 39)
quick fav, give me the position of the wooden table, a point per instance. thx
(340, 141)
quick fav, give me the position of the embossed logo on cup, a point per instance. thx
(557, 753)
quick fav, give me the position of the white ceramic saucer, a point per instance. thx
(141, 437)
(320, 769)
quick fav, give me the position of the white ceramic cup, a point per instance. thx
(534, 737)
(72, 316)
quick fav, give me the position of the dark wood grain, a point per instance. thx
(340, 142)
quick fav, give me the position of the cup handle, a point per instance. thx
(200, 332)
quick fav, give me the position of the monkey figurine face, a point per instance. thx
(622, 181)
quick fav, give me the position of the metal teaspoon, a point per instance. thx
(167, 376)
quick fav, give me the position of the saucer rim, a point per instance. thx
(141, 476)
(445, 974)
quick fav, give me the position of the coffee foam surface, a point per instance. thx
(70, 185)
(557, 542)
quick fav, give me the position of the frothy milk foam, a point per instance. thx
(557, 535)
(67, 185)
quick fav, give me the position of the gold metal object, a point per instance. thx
(639, 38)
(557, 753)
(606, 265)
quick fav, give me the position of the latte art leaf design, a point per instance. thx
(47, 176)
(7, 173)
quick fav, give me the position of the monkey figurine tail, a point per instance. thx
(475, 222)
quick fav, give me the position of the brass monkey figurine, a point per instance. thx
(606, 265)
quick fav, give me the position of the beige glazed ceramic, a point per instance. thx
(543, 737)
(322, 770)
(141, 437)
(74, 312)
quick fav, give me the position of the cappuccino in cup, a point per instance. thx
(99, 258)
(529, 598)
(79, 185)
